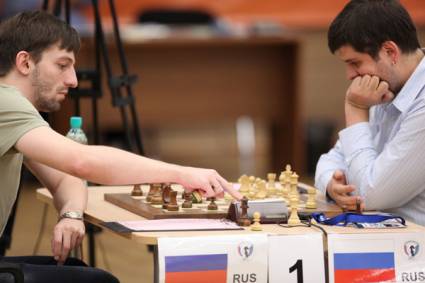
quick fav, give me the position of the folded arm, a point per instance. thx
(394, 176)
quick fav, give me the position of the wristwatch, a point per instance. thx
(78, 215)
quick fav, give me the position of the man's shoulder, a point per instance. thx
(11, 99)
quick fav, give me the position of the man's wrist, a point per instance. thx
(354, 115)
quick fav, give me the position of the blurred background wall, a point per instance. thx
(319, 82)
(318, 79)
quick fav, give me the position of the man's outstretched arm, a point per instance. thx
(111, 166)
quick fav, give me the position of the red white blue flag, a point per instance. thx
(364, 267)
(210, 268)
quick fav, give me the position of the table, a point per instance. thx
(98, 211)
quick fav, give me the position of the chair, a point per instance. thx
(13, 269)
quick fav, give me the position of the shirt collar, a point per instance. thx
(411, 88)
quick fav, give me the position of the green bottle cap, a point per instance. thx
(76, 121)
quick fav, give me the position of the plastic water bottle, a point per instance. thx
(76, 133)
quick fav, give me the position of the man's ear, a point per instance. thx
(24, 63)
(391, 50)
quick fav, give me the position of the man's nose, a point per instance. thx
(351, 73)
(71, 79)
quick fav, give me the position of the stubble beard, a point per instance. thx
(42, 88)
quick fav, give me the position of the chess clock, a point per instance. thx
(272, 211)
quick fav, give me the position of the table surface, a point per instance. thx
(98, 211)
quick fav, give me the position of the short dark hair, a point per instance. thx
(367, 24)
(34, 32)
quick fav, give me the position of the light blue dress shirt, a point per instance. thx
(385, 157)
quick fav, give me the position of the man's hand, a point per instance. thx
(208, 181)
(367, 91)
(339, 191)
(67, 234)
(363, 93)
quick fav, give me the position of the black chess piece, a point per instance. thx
(157, 196)
(166, 195)
(150, 193)
(212, 205)
(173, 206)
(243, 218)
(137, 191)
(187, 200)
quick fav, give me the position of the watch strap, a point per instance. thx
(77, 215)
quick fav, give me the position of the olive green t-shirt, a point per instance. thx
(17, 117)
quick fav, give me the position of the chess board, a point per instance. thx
(140, 206)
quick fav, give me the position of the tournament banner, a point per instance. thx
(213, 259)
(376, 257)
(296, 258)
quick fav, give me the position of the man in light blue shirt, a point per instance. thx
(379, 158)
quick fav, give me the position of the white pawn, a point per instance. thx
(294, 219)
(244, 181)
(262, 190)
(252, 189)
(271, 184)
(311, 198)
(256, 226)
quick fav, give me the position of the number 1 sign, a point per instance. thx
(296, 258)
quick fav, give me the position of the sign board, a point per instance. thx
(213, 259)
(378, 257)
(296, 258)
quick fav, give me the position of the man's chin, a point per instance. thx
(49, 108)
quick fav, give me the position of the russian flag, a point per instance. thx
(196, 268)
(364, 267)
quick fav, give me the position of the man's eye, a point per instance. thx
(355, 64)
(62, 66)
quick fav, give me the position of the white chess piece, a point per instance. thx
(256, 226)
(293, 218)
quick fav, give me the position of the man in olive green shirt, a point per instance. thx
(37, 57)
(17, 117)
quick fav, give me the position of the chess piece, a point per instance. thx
(256, 226)
(293, 218)
(157, 196)
(187, 200)
(212, 205)
(243, 218)
(288, 170)
(282, 191)
(150, 193)
(173, 206)
(252, 193)
(358, 206)
(252, 188)
(271, 184)
(311, 198)
(137, 191)
(287, 187)
(252, 180)
(196, 197)
(262, 190)
(294, 186)
(166, 195)
(244, 188)
(228, 197)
